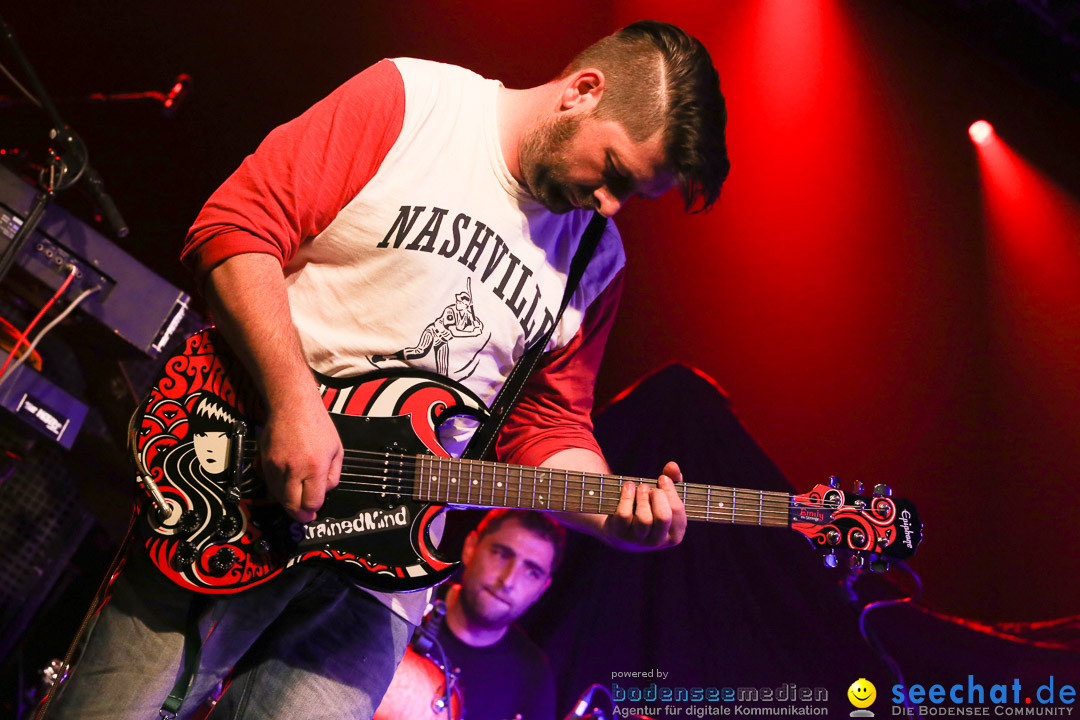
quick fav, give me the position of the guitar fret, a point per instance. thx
(444, 478)
(418, 491)
(734, 501)
(582, 507)
(480, 465)
(566, 488)
(760, 507)
(468, 496)
(708, 505)
(534, 489)
(455, 481)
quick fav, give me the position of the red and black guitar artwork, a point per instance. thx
(212, 527)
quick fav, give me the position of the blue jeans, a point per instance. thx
(305, 645)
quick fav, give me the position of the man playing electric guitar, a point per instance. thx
(336, 242)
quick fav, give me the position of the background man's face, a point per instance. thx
(506, 571)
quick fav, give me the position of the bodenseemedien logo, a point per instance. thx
(862, 694)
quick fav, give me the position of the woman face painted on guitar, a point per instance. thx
(212, 449)
(210, 423)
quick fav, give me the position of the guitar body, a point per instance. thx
(224, 533)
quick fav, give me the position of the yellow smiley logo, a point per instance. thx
(862, 693)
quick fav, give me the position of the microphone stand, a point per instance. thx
(53, 177)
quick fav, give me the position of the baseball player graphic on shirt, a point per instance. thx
(455, 321)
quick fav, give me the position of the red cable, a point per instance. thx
(26, 333)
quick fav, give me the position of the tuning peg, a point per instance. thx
(857, 487)
(856, 562)
(858, 538)
(830, 559)
(833, 536)
(879, 566)
(883, 491)
(834, 482)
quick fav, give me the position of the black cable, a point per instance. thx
(871, 637)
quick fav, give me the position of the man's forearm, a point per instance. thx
(580, 460)
(299, 447)
(247, 298)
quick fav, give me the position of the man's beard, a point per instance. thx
(473, 602)
(543, 160)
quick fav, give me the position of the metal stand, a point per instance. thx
(55, 176)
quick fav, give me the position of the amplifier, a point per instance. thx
(136, 304)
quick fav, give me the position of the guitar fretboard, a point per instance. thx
(474, 483)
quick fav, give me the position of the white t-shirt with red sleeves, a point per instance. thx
(405, 241)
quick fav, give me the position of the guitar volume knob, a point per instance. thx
(227, 527)
(222, 560)
(190, 521)
(183, 557)
(260, 546)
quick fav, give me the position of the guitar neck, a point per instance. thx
(475, 483)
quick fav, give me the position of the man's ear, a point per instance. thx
(469, 549)
(582, 90)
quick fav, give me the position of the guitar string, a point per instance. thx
(588, 481)
(728, 515)
(692, 506)
(747, 518)
(381, 483)
(693, 493)
(382, 457)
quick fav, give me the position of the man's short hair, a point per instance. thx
(657, 77)
(535, 522)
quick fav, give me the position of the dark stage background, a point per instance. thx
(880, 303)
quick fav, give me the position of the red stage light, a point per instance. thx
(981, 132)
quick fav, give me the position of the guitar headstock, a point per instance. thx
(872, 527)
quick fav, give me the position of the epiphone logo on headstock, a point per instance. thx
(905, 521)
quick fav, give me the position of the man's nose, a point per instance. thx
(508, 575)
(607, 202)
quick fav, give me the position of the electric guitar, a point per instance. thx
(212, 527)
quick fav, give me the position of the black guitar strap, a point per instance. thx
(484, 437)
